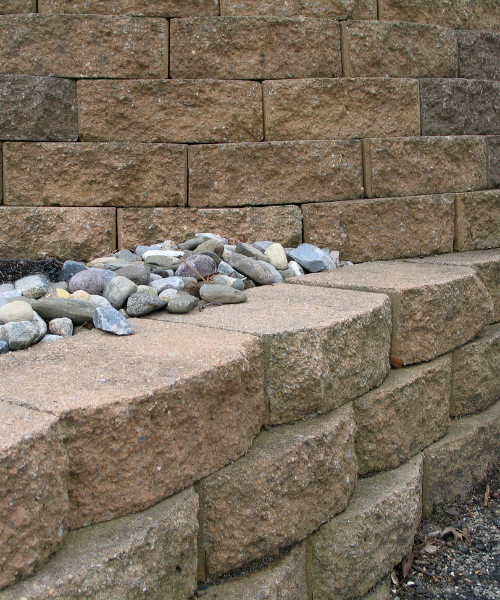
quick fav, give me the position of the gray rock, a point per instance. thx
(187, 280)
(143, 304)
(169, 245)
(30, 301)
(182, 303)
(211, 245)
(11, 294)
(287, 273)
(109, 319)
(3, 301)
(212, 236)
(89, 281)
(277, 278)
(250, 251)
(6, 287)
(346, 263)
(127, 255)
(146, 289)
(312, 258)
(105, 274)
(3, 335)
(191, 244)
(118, 290)
(222, 293)
(255, 269)
(99, 300)
(33, 286)
(237, 284)
(16, 311)
(4, 347)
(201, 265)
(296, 268)
(118, 264)
(138, 273)
(140, 250)
(72, 267)
(168, 283)
(62, 327)
(225, 269)
(50, 338)
(155, 277)
(78, 311)
(166, 262)
(262, 246)
(41, 325)
(213, 256)
(20, 334)
(60, 285)
(168, 294)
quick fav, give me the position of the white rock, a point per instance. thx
(212, 236)
(276, 254)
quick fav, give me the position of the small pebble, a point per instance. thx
(62, 326)
(182, 303)
(81, 295)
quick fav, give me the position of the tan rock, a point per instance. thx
(15, 312)
(274, 173)
(153, 552)
(384, 49)
(381, 591)
(81, 295)
(17, 6)
(458, 462)
(435, 308)
(167, 110)
(58, 293)
(354, 550)
(141, 428)
(33, 489)
(324, 347)
(340, 108)
(152, 225)
(90, 174)
(67, 233)
(83, 46)
(254, 48)
(424, 165)
(277, 256)
(142, 8)
(293, 479)
(408, 412)
(411, 226)
(478, 220)
(327, 9)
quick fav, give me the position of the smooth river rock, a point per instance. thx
(20, 334)
(77, 310)
(312, 258)
(118, 290)
(142, 304)
(222, 293)
(90, 281)
(252, 268)
(33, 286)
(16, 311)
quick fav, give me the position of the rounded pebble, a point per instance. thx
(62, 326)
(89, 281)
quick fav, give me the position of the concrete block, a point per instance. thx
(477, 225)
(326, 9)
(140, 8)
(478, 54)
(493, 153)
(8, 7)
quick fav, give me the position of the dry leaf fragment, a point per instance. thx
(452, 511)
(487, 495)
(394, 578)
(457, 535)
(406, 564)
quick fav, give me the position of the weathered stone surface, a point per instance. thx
(408, 412)
(381, 591)
(424, 165)
(254, 48)
(83, 46)
(409, 226)
(274, 173)
(90, 174)
(33, 493)
(385, 49)
(78, 233)
(136, 411)
(148, 225)
(167, 110)
(325, 347)
(154, 551)
(479, 54)
(283, 580)
(478, 220)
(460, 107)
(493, 153)
(17, 6)
(455, 464)
(38, 108)
(340, 108)
(353, 551)
(78, 311)
(293, 479)
(142, 8)
(435, 308)
(326, 9)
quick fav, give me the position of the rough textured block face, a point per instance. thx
(119, 560)
(142, 428)
(479, 54)
(33, 493)
(435, 308)
(83, 46)
(384, 49)
(142, 8)
(170, 111)
(274, 173)
(408, 412)
(424, 165)
(66, 233)
(493, 151)
(460, 107)
(463, 458)
(323, 347)
(283, 580)
(340, 108)
(152, 225)
(326, 9)
(95, 174)
(477, 221)
(257, 505)
(17, 6)
(254, 48)
(382, 591)
(353, 551)
(38, 108)
(411, 226)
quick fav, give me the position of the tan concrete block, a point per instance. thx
(169, 110)
(479, 54)
(384, 49)
(66, 233)
(141, 428)
(381, 591)
(435, 308)
(274, 173)
(93, 174)
(477, 225)
(254, 48)
(459, 461)
(326, 9)
(83, 46)
(283, 580)
(411, 226)
(33, 489)
(424, 165)
(324, 347)
(340, 108)
(141, 8)
(17, 6)
(354, 550)
(408, 412)
(153, 552)
(151, 225)
(293, 479)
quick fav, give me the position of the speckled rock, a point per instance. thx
(252, 268)
(33, 286)
(62, 327)
(167, 283)
(277, 257)
(4, 347)
(142, 304)
(16, 311)
(222, 293)
(138, 273)
(109, 319)
(21, 334)
(182, 303)
(72, 267)
(312, 258)
(41, 325)
(87, 280)
(118, 290)
(202, 265)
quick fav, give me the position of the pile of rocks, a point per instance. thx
(175, 277)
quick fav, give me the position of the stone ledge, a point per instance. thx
(327, 9)
(141, 8)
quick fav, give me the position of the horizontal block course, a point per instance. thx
(384, 49)
(327, 9)
(17, 6)
(142, 8)
(477, 221)
(274, 173)
(95, 174)
(493, 152)
(340, 108)
(83, 46)
(479, 54)
(254, 48)
(170, 111)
